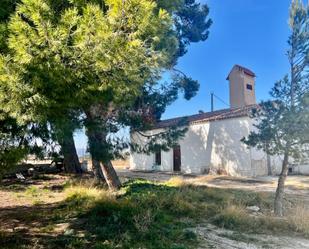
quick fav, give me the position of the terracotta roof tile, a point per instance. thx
(245, 70)
(206, 117)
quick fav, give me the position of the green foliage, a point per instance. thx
(7, 8)
(10, 156)
(75, 56)
(3, 36)
(87, 52)
(12, 146)
(18, 140)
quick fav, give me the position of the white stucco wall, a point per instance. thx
(212, 146)
(302, 169)
(216, 145)
(147, 162)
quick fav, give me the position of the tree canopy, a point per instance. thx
(103, 60)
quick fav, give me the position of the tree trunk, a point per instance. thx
(71, 162)
(280, 188)
(269, 165)
(110, 175)
(97, 171)
(98, 147)
(103, 168)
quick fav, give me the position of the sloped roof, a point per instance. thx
(207, 117)
(244, 69)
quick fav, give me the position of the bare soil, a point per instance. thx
(21, 202)
(218, 238)
(297, 189)
(297, 186)
(15, 193)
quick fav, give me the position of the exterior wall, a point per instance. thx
(297, 169)
(216, 145)
(301, 169)
(207, 147)
(249, 95)
(239, 94)
(236, 89)
(146, 162)
(141, 162)
(213, 146)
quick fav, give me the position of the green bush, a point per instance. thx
(10, 157)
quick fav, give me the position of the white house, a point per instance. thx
(212, 143)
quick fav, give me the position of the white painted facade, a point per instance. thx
(215, 145)
(211, 147)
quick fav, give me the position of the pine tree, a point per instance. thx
(65, 139)
(283, 123)
(103, 59)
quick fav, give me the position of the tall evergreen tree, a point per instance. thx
(12, 145)
(104, 59)
(63, 130)
(283, 123)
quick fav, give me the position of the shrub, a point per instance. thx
(10, 156)
(232, 217)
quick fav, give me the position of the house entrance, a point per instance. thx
(177, 159)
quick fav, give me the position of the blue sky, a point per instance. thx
(252, 33)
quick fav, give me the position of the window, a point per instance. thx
(158, 158)
(249, 87)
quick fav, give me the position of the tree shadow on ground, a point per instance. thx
(238, 180)
(15, 185)
(142, 215)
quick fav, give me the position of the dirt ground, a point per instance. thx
(30, 192)
(218, 238)
(297, 186)
(19, 198)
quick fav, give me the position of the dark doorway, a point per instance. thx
(177, 158)
(158, 158)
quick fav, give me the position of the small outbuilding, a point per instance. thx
(213, 141)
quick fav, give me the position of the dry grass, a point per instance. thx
(176, 181)
(143, 221)
(81, 182)
(294, 183)
(154, 215)
(226, 208)
(87, 195)
(82, 191)
(299, 218)
(231, 217)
